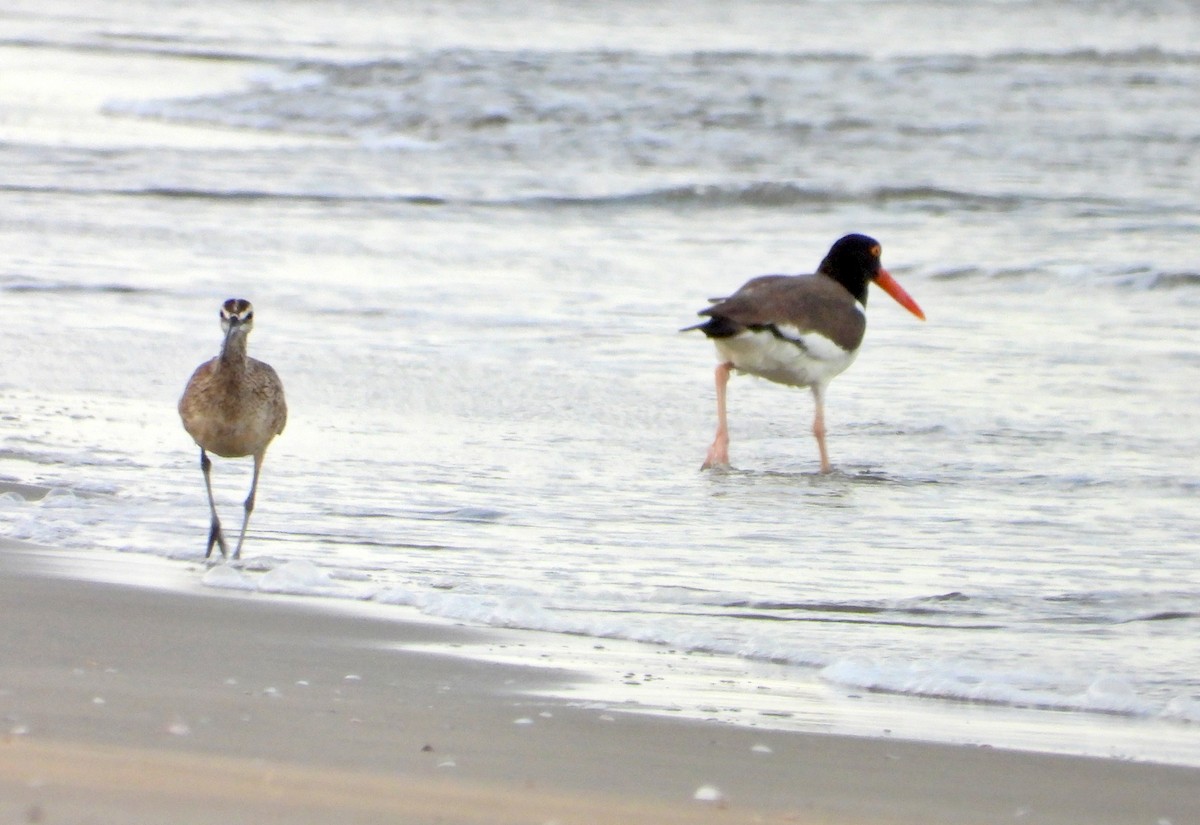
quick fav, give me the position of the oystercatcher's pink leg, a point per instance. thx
(718, 453)
(818, 392)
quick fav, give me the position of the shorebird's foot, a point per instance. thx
(718, 454)
(215, 536)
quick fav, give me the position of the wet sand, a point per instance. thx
(174, 703)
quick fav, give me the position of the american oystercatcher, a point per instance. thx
(799, 330)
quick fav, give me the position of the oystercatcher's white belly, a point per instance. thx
(797, 359)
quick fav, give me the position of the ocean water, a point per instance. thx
(471, 232)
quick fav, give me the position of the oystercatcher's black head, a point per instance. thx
(853, 261)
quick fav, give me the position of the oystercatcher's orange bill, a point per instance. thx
(885, 280)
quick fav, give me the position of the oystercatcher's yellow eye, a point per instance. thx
(876, 251)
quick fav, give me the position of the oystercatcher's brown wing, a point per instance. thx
(808, 303)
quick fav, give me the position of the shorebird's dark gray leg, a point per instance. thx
(214, 532)
(258, 460)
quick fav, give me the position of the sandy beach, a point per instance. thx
(136, 704)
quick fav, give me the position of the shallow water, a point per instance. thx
(470, 248)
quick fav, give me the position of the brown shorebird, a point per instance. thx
(233, 406)
(798, 330)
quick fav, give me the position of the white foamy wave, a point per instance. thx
(951, 680)
(285, 81)
(60, 498)
(293, 578)
(632, 622)
(729, 113)
(1113, 694)
(1183, 709)
(227, 578)
(520, 612)
(54, 519)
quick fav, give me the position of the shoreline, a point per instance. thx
(117, 697)
(681, 684)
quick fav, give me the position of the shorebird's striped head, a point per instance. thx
(237, 314)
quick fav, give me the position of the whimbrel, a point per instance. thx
(799, 330)
(233, 406)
